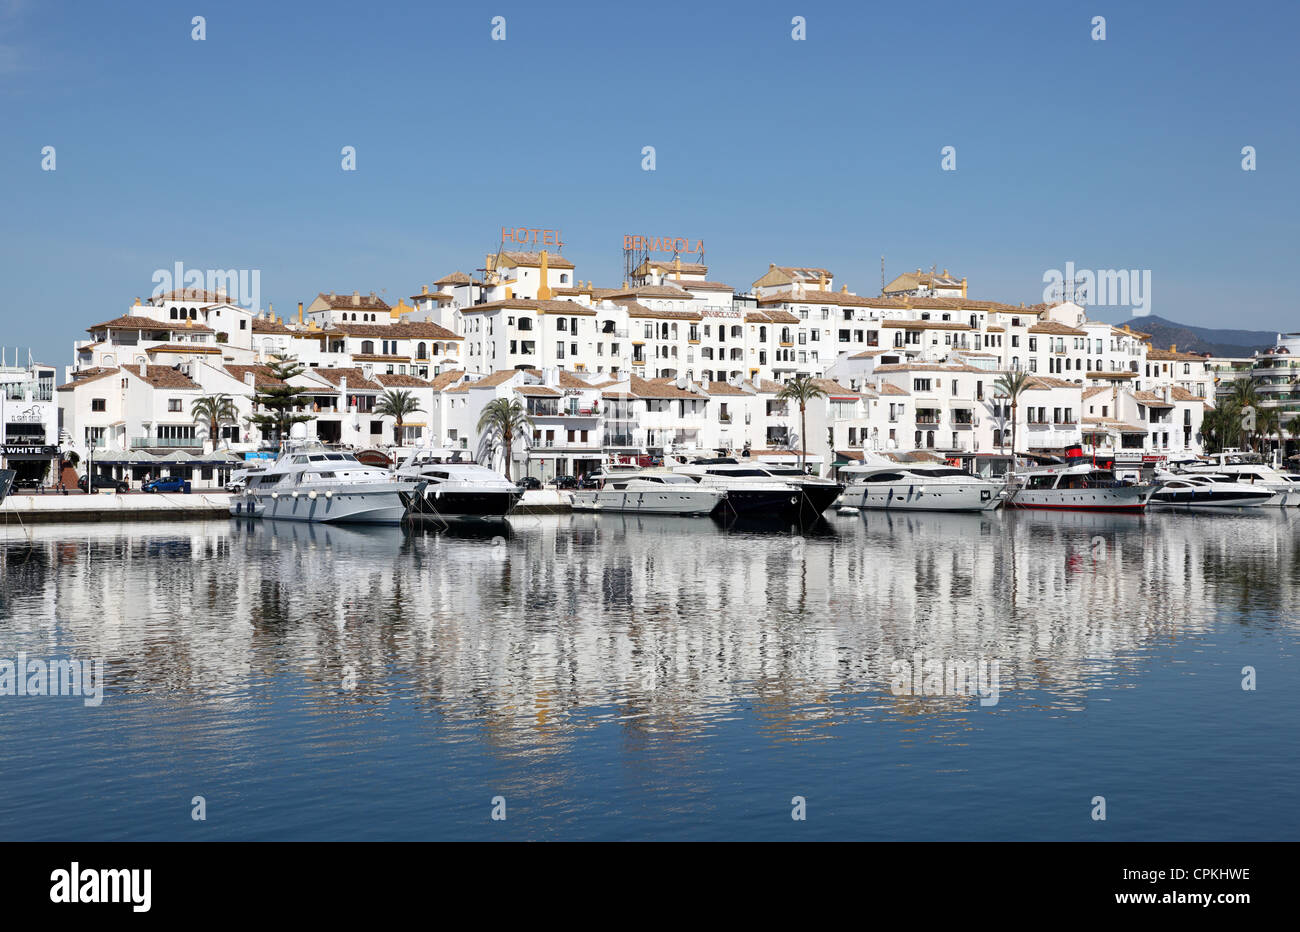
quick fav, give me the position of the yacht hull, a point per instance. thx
(1210, 500)
(1121, 498)
(919, 496)
(351, 507)
(664, 501)
(464, 506)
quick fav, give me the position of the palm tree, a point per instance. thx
(215, 410)
(501, 420)
(1268, 422)
(397, 403)
(801, 389)
(1011, 384)
(1243, 402)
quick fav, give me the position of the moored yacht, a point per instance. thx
(1249, 469)
(1077, 487)
(312, 483)
(884, 484)
(644, 492)
(761, 490)
(1207, 490)
(450, 485)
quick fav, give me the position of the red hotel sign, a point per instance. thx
(661, 243)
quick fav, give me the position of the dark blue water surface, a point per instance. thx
(618, 678)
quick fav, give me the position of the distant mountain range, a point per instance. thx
(1189, 339)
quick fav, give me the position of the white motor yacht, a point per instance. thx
(311, 483)
(1077, 487)
(884, 484)
(763, 490)
(648, 492)
(452, 486)
(1207, 490)
(1249, 469)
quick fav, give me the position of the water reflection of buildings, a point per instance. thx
(661, 624)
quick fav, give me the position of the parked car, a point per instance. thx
(529, 482)
(168, 484)
(102, 481)
(564, 482)
(28, 482)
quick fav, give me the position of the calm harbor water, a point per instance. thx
(616, 677)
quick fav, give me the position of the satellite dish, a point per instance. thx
(298, 431)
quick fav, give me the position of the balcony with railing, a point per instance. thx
(166, 443)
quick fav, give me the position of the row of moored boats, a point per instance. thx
(318, 484)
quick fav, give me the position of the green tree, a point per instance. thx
(397, 403)
(502, 419)
(801, 390)
(215, 410)
(275, 406)
(1011, 384)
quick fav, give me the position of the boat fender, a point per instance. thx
(329, 494)
(312, 495)
(794, 499)
(294, 494)
(275, 495)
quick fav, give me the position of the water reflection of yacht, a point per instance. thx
(311, 483)
(455, 487)
(917, 487)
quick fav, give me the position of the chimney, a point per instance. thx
(137, 302)
(356, 299)
(144, 369)
(1173, 347)
(299, 312)
(368, 372)
(250, 379)
(424, 289)
(543, 290)
(343, 385)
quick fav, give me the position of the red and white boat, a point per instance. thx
(1077, 487)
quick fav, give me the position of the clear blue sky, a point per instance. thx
(226, 153)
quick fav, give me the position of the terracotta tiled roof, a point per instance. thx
(164, 377)
(354, 301)
(641, 311)
(652, 291)
(816, 296)
(723, 388)
(398, 380)
(531, 304)
(925, 325)
(444, 379)
(197, 295)
(355, 376)
(537, 390)
(184, 348)
(85, 377)
(132, 322)
(266, 325)
(455, 278)
(534, 259)
(262, 377)
(406, 330)
(771, 317)
(1057, 328)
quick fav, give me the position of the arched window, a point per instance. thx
(421, 351)
(368, 347)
